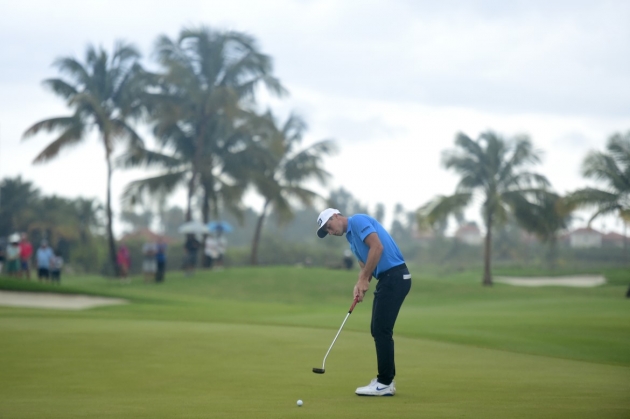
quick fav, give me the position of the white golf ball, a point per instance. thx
(300, 403)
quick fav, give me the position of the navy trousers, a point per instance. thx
(391, 290)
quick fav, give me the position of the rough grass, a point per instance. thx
(242, 343)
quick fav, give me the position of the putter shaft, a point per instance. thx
(323, 368)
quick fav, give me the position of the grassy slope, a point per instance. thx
(241, 343)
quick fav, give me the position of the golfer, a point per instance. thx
(378, 257)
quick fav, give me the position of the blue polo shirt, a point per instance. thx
(359, 227)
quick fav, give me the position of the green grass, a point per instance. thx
(241, 343)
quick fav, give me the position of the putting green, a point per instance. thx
(66, 368)
(241, 343)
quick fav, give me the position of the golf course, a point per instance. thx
(242, 343)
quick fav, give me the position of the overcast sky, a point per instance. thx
(391, 81)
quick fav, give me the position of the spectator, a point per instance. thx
(26, 253)
(13, 255)
(160, 258)
(149, 263)
(3, 246)
(124, 261)
(192, 247)
(348, 260)
(221, 247)
(211, 250)
(55, 268)
(44, 258)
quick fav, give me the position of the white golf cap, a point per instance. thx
(324, 216)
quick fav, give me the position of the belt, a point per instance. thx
(392, 270)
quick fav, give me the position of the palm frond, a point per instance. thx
(74, 69)
(71, 136)
(524, 180)
(589, 197)
(122, 129)
(307, 163)
(619, 148)
(441, 207)
(140, 156)
(605, 210)
(162, 185)
(60, 87)
(603, 167)
(52, 124)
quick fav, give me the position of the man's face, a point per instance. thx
(334, 226)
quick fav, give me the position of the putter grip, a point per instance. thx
(354, 303)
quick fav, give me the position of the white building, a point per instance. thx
(470, 234)
(585, 238)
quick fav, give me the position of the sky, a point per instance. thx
(391, 81)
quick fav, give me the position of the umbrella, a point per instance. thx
(193, 227)
(215, 226)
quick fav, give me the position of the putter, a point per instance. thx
(323, 368)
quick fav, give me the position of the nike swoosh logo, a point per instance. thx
(379, 389)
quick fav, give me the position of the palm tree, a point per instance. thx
(546, 216)
(199, 113)
(612, 169)
(220, 180)
(492, 168)
(103, 91)
(278, 169)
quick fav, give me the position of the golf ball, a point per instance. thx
(300, 403)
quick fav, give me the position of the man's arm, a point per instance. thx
(365, 275)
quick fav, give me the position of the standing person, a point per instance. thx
(221, 247)
(55, 268)
(148, 261)
(348, 261)
(3, 249)
(379, 257)
(124, 261)
(211, 250)
(26, 252)
(13, 255)
(160, 259)
(192, 247)
(44, 258)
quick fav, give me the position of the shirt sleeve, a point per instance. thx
(362, 226)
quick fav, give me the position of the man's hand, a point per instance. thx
(363, 284)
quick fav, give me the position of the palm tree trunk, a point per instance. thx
(191, 192)
(192, 185)
(108, 210)
(487, 274)
(256, 240)
(205, 216)
(205, 207)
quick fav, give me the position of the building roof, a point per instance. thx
(585, 230)
(612, 236)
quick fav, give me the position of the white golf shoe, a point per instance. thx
(376, 389)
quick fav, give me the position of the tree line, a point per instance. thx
(75, 228)
(201, 106)
(498, 172)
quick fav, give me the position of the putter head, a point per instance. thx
(319, 370)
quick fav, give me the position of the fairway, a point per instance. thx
(242, 343)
